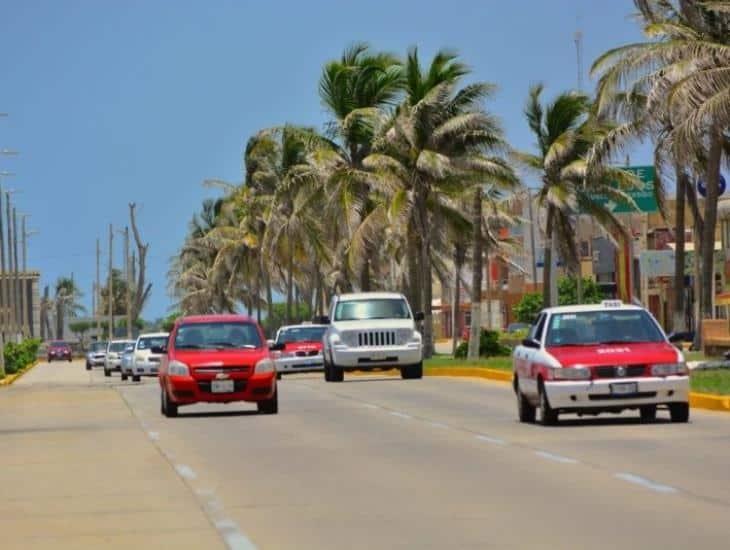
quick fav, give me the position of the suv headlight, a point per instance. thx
(571, 373)
(264, 366)
(668, 369)
(176, 368)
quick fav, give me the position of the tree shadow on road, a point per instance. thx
(606, 422)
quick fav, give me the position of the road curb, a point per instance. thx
(9, 379)
(710, 402)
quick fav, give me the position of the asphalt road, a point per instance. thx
(440, 463)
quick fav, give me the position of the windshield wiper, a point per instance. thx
(190, 346)
(221, 345)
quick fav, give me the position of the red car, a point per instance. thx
(217, 359)
(60, 351)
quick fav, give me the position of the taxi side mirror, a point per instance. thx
(321, 320)
(531, 343)
(419, 316)
(276, 347)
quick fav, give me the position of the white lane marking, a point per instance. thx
(154, 436)
(400, 415)
(438, 425)
(646, 483)
(556, 458)
(493, 440)
(185, 471)
(235, 539)
(370, 406)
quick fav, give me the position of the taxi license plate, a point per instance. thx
(221, 386)
(625, 388)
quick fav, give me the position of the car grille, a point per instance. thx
(238, 385)
(619, 371)
(153, 359)
(309, 353)
(376, 338)
(218, 370)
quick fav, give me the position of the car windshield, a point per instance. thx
(361, 310)
(587, 328)
(217, 335)
(301, 334)
(59, 344)
(150, 342)
(98, 346)
(118, 346)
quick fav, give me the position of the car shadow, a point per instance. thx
(213, 414)
(368, 379)
(606, 422)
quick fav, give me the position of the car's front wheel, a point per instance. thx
(168, 408)
(136, 378)
(525, 409)
(412, 372)
(648, 413)
(269, 406)
(548, 416)
(107, 372)
(124, 376)
(88, 366)
(679, 412)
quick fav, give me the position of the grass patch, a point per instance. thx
(499, 363)
(714, 381)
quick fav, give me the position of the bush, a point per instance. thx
(19, 356)
(489, 346)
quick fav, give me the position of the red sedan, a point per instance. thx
(217, 359)
(59, 351)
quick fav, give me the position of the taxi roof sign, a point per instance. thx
(612, 303)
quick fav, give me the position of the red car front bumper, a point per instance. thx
(186, 390)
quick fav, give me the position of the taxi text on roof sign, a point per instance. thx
(612, 303)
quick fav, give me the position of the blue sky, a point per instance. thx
(112, 102)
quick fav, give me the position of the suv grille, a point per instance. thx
(376, 338)
(619, 371)
(307, 353)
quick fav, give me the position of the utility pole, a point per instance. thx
(97, 291)
(3, 292)
(18, 294)
(128, 271)
(532, 238)
(12, 318)
(110, 286)
(23, 278)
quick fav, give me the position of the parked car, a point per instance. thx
(372, 330)
(593, 359)
(59, 351)
(113, 359)
(217, 359)
(298, 348)
(96, 355)
(147, 363)
(127, 363)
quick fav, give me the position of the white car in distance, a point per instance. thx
(145, 362)
(372, 331)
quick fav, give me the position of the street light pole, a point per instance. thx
(17, 289)
(24, 264)
(110, 286)
(12, 319)
(128, 271)
(97, 291)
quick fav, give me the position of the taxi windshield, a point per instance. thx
(588, 328)
(301, 334)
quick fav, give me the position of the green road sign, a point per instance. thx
(643, 196)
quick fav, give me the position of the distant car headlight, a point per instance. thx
(264, 366)
(176, 368)
(669, 369)
(571, 373)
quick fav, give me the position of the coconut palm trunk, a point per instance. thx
(476, 281)
(459, 254)
(547, 266)
(678, 318)
(714, 158)
(426, 282)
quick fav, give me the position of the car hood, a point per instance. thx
(615, 354)
(223, 358)
(374, 324)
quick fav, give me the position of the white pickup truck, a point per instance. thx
(371, 331)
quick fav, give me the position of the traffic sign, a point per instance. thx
(702, 188)
(643, 196)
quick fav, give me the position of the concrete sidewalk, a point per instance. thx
(78, 471)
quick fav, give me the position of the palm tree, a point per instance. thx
(685, 72)
(432, 153)
(67, 303)
(47, 306)
(565, 134)
(356, 89)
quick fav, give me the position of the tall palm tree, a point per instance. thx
(432, 153)
(356, 89)
(565, 133)
(67, 303)
(685, 69)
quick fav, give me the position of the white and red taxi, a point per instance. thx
(590, 359)
(298, 348)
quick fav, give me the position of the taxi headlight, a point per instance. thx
(668, 369)
(176, 368)
(571, 373)
(264, 366)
